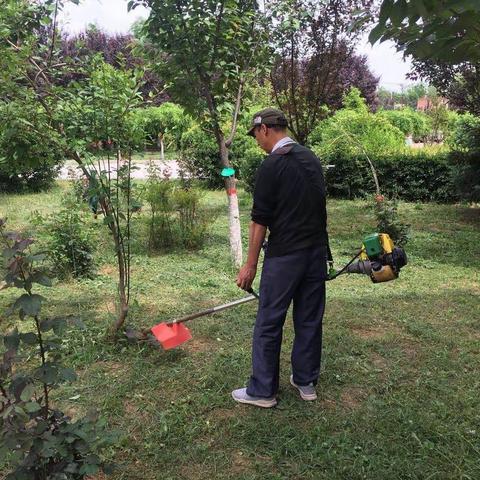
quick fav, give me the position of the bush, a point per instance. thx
(466, 135)
(177, 217)
(465, 155)
(388, 221)
(352, 132)
(29, 156)
(410, 175)
(37, 440)
(199, 156)
(69, 240)
(168, 121)
(408, 121)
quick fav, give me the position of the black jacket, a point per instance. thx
(289, 199)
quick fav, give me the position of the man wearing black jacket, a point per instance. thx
(289, 201)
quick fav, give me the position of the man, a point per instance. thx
(289, 200)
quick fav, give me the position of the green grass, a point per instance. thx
(399, 388)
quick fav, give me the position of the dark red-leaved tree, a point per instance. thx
(116, 49)
(459, 83)
(315, 63)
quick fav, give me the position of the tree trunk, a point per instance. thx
(162, 148)
(235, 234)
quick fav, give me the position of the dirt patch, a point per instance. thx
(376, 332)
(240, 463)
(198, 344)
(108, 270)
(107, 306)
(328, 404)
(410, 350)
(379, 362)
(352, 397)
(220, 414)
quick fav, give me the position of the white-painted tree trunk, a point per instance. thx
(234, 225)
(235, 233)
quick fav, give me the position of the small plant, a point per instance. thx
(70, 245)
(193, 222)
(38, 441)
(158, 195)
(386, 214)
(176, 218)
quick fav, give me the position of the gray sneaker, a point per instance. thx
(307, 392)
(240, 395)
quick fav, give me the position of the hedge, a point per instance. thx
(413, 177)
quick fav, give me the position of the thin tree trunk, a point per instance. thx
(233, 210)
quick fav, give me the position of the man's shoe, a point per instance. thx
(240, 395)
(307, 392)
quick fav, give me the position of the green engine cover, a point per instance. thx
(373, 245)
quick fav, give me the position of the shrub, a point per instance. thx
(69, 240)
(252, 158)
(388, 221)
(466, 135)
(177, 217)
(38, 441)
(412, 175)
(408, 121)
(29, 156)
(465, 154)
(352, 132)
(168, 121)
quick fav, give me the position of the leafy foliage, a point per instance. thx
(37, 440)
(388, 221)
(29, 157)
(411, 175)
(465, 144)
(355, 131)
(440, 30)
(314, 61)
(122, 51)
(177, 217)
(69, 245)
(167, 122)
(408, 121)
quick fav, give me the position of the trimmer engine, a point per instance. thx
(379, 258)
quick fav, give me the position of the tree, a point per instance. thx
(440, 30)
(205, 50)
(118, 50)
(459, 83)
(314, 59)
(88, 120)
(409, 97)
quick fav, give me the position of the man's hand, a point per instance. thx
(246, 275)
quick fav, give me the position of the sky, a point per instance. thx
(112, 16)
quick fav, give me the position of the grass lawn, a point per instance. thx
(399, 392)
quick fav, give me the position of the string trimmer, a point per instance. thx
(378, 258)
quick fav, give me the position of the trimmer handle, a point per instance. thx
(252, 292)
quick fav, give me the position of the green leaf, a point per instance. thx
(59, 325)
(67, 374)
(12, 340)
(27, 392)
(41, 279)
(29, 304)
(47, 373)
(29, 338)
(376, 33)
(88, 469)
(46, 325)
(32, 407)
